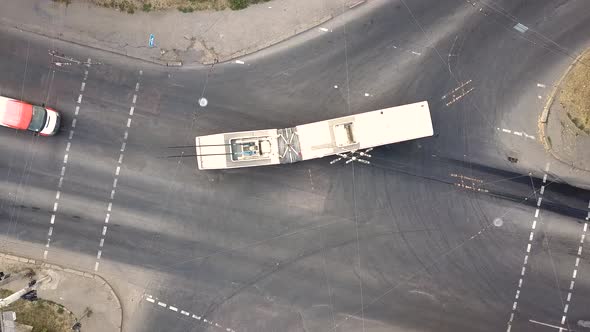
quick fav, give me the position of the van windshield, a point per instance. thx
(38, 119)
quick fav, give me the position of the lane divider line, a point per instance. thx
(516, 133)
(64, 164)
(116, 180)
(202, 319)
(576, 267)
(528, 251)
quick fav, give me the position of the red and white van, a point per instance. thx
(24, 116)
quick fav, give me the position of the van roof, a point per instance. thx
(15, 113)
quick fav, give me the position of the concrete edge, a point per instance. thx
(272, 42)
(356, 4)
(87, 275)
(544, 118)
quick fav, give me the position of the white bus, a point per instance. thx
(314, 140)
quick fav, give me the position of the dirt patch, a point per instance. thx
(185, 6)
(42, 315)
(574, 94)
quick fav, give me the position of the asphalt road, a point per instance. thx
(430, 237)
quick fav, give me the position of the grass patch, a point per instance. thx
(187, 9)
(574, 94)
(128, 6)
(241, 4)
(42, 315)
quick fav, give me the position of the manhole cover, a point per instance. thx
(498, 222)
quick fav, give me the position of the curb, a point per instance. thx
(68, 270)
(356, 4)
(270, 43)
(544, 118)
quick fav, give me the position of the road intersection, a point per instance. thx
(439, 234)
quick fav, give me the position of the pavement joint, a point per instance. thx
(116, 176)
(527, 253)
(199, 318)
(63, 168)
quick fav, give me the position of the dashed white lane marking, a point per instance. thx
(63, 167)
(323, 29)
(528, 251)
(575, 272)
(153, 300)
(540, 85)
(116, 179)
(240, 62)
(517, 133)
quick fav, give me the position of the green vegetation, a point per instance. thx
(128, 6)
(66, 2)
(238, 4)
(574, 94)
(186, 9)
(241, 4)
(185, 6)
(42, 315)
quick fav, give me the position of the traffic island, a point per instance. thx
(52, 298)
(565, 122)
(40, 314)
